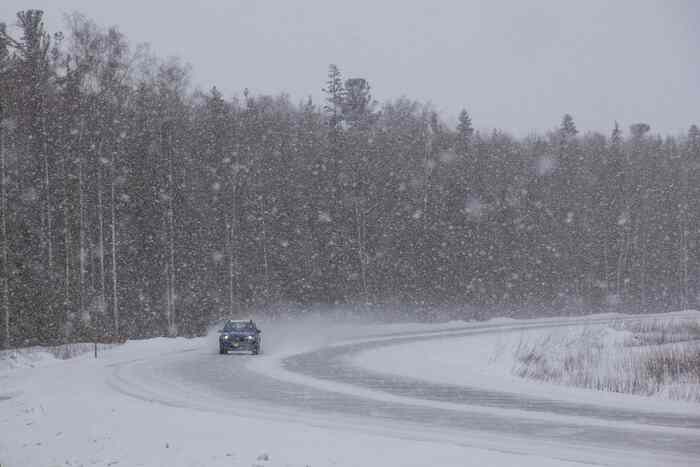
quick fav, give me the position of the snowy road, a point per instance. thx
(316, 385)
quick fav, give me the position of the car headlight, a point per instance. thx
(250, 338)
(225, 336)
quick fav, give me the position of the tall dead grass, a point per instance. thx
(651, 358)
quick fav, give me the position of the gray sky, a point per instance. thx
(516, 65)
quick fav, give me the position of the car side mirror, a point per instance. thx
(258, 331)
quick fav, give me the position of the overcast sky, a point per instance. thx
(515, 65)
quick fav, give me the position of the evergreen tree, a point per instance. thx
(465, 131)
(568, 127)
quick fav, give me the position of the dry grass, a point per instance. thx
(658, 332)
(66, 351)
(30, 356)
(652, 358)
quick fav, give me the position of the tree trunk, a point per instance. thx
(115, 304)
(683, 243)
(84, 314)
(48, 234)
(231, 251)
(67, 240)
(643, 252)
(167, 148)
(426, 182)
(266, 268)
(606, 265)
(643, 272)
(623, 256)
(360, 221)
(171, 224)
(101, 247)
(47, 200)
(229, 248)
(168, 298)
(3, 212)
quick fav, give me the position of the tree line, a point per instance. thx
(133, 205)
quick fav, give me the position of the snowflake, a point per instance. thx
(473, 207)
(447, 156)
(545, 165)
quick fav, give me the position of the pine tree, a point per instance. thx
(335, 98)
(358, 113)
(357, 103)
(465, 132)
(568, 127)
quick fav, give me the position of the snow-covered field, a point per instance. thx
(176, 402)
(595, 353)
(658, 358)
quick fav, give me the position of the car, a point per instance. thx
(240, 335)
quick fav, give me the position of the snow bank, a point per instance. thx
(25, 358)
(39, 356)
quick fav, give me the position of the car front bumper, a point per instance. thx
(238, 344)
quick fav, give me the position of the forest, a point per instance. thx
(133, 204)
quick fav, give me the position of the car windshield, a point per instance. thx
(232, 326)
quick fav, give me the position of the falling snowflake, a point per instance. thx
(447, 156)
(545, 165)
(29, 195)
(473, 207)
(623, 219)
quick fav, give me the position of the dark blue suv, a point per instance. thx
(240, 335)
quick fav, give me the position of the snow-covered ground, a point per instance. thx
(176, 402)
(491, 362)
(65, 414)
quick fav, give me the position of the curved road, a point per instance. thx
(319, 387)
